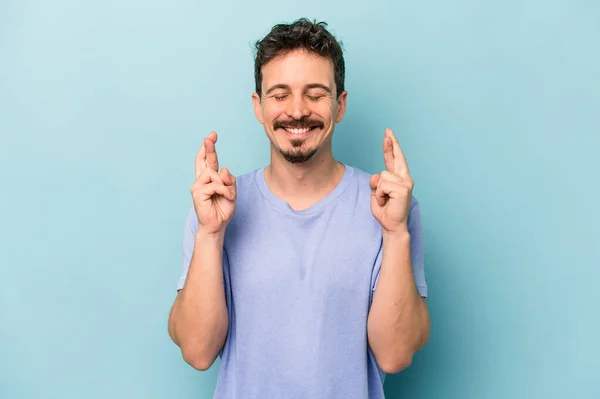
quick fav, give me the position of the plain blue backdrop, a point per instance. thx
(104, 104)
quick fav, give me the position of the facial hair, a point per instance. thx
(297, 154)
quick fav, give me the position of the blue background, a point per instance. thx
(103, 106)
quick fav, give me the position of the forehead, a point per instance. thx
(297, 69)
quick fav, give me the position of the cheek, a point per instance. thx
(326, 110)
(271, 112)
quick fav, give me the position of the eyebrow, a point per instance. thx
(319, 86)
(309, 86)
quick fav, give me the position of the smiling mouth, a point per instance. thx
(294, 130)
(298, 127)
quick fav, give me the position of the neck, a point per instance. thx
(304, 183)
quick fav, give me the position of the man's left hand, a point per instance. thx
(391, 190)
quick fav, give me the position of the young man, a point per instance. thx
(305, 276)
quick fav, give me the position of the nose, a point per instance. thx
(297, 107)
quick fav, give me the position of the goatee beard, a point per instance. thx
(297, 155)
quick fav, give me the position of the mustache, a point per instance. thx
(298, 123)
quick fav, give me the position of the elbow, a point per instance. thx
(401, 357)
(198, 360)
(201, 353)
(396, 363)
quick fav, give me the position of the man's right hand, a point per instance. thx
(213, 192)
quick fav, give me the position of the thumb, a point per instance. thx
(373, 181)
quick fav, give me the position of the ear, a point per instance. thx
(341, 106)
(257, 107)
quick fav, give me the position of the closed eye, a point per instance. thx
(280, 98)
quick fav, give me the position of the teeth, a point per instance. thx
(297, 131)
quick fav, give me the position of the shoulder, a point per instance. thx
(360, 175)
(359, 180)
(247, 188)
(247, 179)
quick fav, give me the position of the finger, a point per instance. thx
(388, 153)
(233, 186)
(389, 176)
(209, 175)
(382, 192)
(211, 152)
(387, 189)
(226, 176)
(218, 188)
(200, 161)
(400, 165)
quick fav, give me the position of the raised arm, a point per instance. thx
(198, 321)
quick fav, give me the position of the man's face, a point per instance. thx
(299, 105)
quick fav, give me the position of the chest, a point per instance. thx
(312, 259)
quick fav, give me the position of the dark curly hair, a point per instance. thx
(301, 34)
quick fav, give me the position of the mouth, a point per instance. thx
(299, 131)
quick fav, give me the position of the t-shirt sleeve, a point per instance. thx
(415, 229)
(189, 233)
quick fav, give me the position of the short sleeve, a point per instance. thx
(417, 257)
(189, 233)
(415, 229)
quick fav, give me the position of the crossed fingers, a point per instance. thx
(395, 161)
(207, 155)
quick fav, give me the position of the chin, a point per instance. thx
(298, 155)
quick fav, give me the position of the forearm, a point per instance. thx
(398, 324)
(199, 320)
